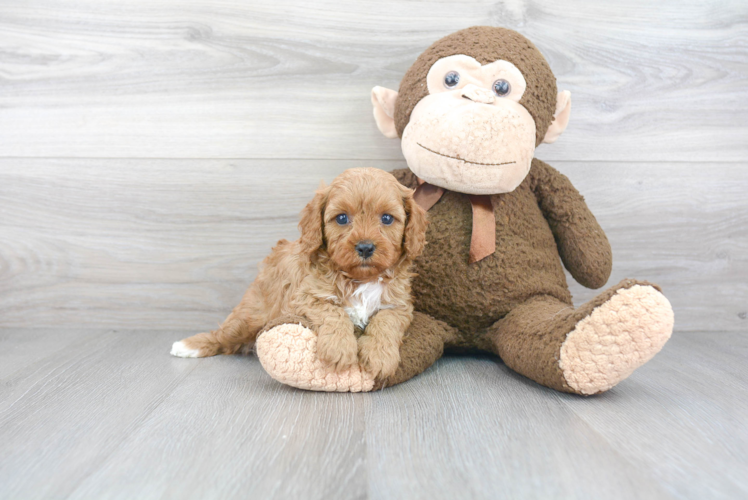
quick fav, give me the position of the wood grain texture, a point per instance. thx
(174, 243)
(471, 428)
(651, 81)
(112, 415)
(230, 431)
(62, 416)
(682, 226)
(25, 346)
(695, 394)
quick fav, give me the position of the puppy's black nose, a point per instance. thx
(365, 249)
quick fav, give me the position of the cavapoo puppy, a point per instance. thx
(347, 276)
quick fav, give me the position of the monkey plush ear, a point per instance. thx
(560, 117)
(383, 101)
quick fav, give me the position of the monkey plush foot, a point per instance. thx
(616, 338)
(288, 353)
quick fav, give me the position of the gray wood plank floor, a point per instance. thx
(109, 414)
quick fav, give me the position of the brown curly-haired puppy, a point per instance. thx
(350, 268)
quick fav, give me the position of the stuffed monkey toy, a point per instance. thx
(470, 112)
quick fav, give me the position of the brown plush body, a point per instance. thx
(467, 306)
(526, 263)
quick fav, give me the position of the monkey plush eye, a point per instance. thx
(501, 88)
(451, 79)
(387, 219)
(342, 219)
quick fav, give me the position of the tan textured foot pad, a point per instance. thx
(615, 339)
(288, 353)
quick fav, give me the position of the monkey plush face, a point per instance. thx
(472, 109)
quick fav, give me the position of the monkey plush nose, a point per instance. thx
(477, 94)
(365, 249)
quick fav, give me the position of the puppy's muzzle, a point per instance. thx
(365, 249)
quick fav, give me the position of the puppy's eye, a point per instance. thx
(342, 219)
(387, 219)
(451, 79)
(501, 88)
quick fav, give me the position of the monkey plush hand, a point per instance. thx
(470, 113)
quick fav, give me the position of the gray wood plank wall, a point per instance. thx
(152, 151)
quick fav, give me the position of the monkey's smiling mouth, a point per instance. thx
(461, 159)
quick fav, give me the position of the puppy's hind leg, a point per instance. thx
(240, 328)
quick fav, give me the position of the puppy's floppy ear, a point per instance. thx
(414, 236)
(311, 225)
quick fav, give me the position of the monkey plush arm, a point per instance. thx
(581, 242)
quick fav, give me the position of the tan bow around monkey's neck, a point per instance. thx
(483, 238)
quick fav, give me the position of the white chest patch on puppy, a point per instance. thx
(365, 301)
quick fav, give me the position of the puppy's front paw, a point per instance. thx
(377, 358)
(337, 349)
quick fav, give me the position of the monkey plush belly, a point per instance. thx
(471, 297)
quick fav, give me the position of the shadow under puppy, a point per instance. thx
(347, 278)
